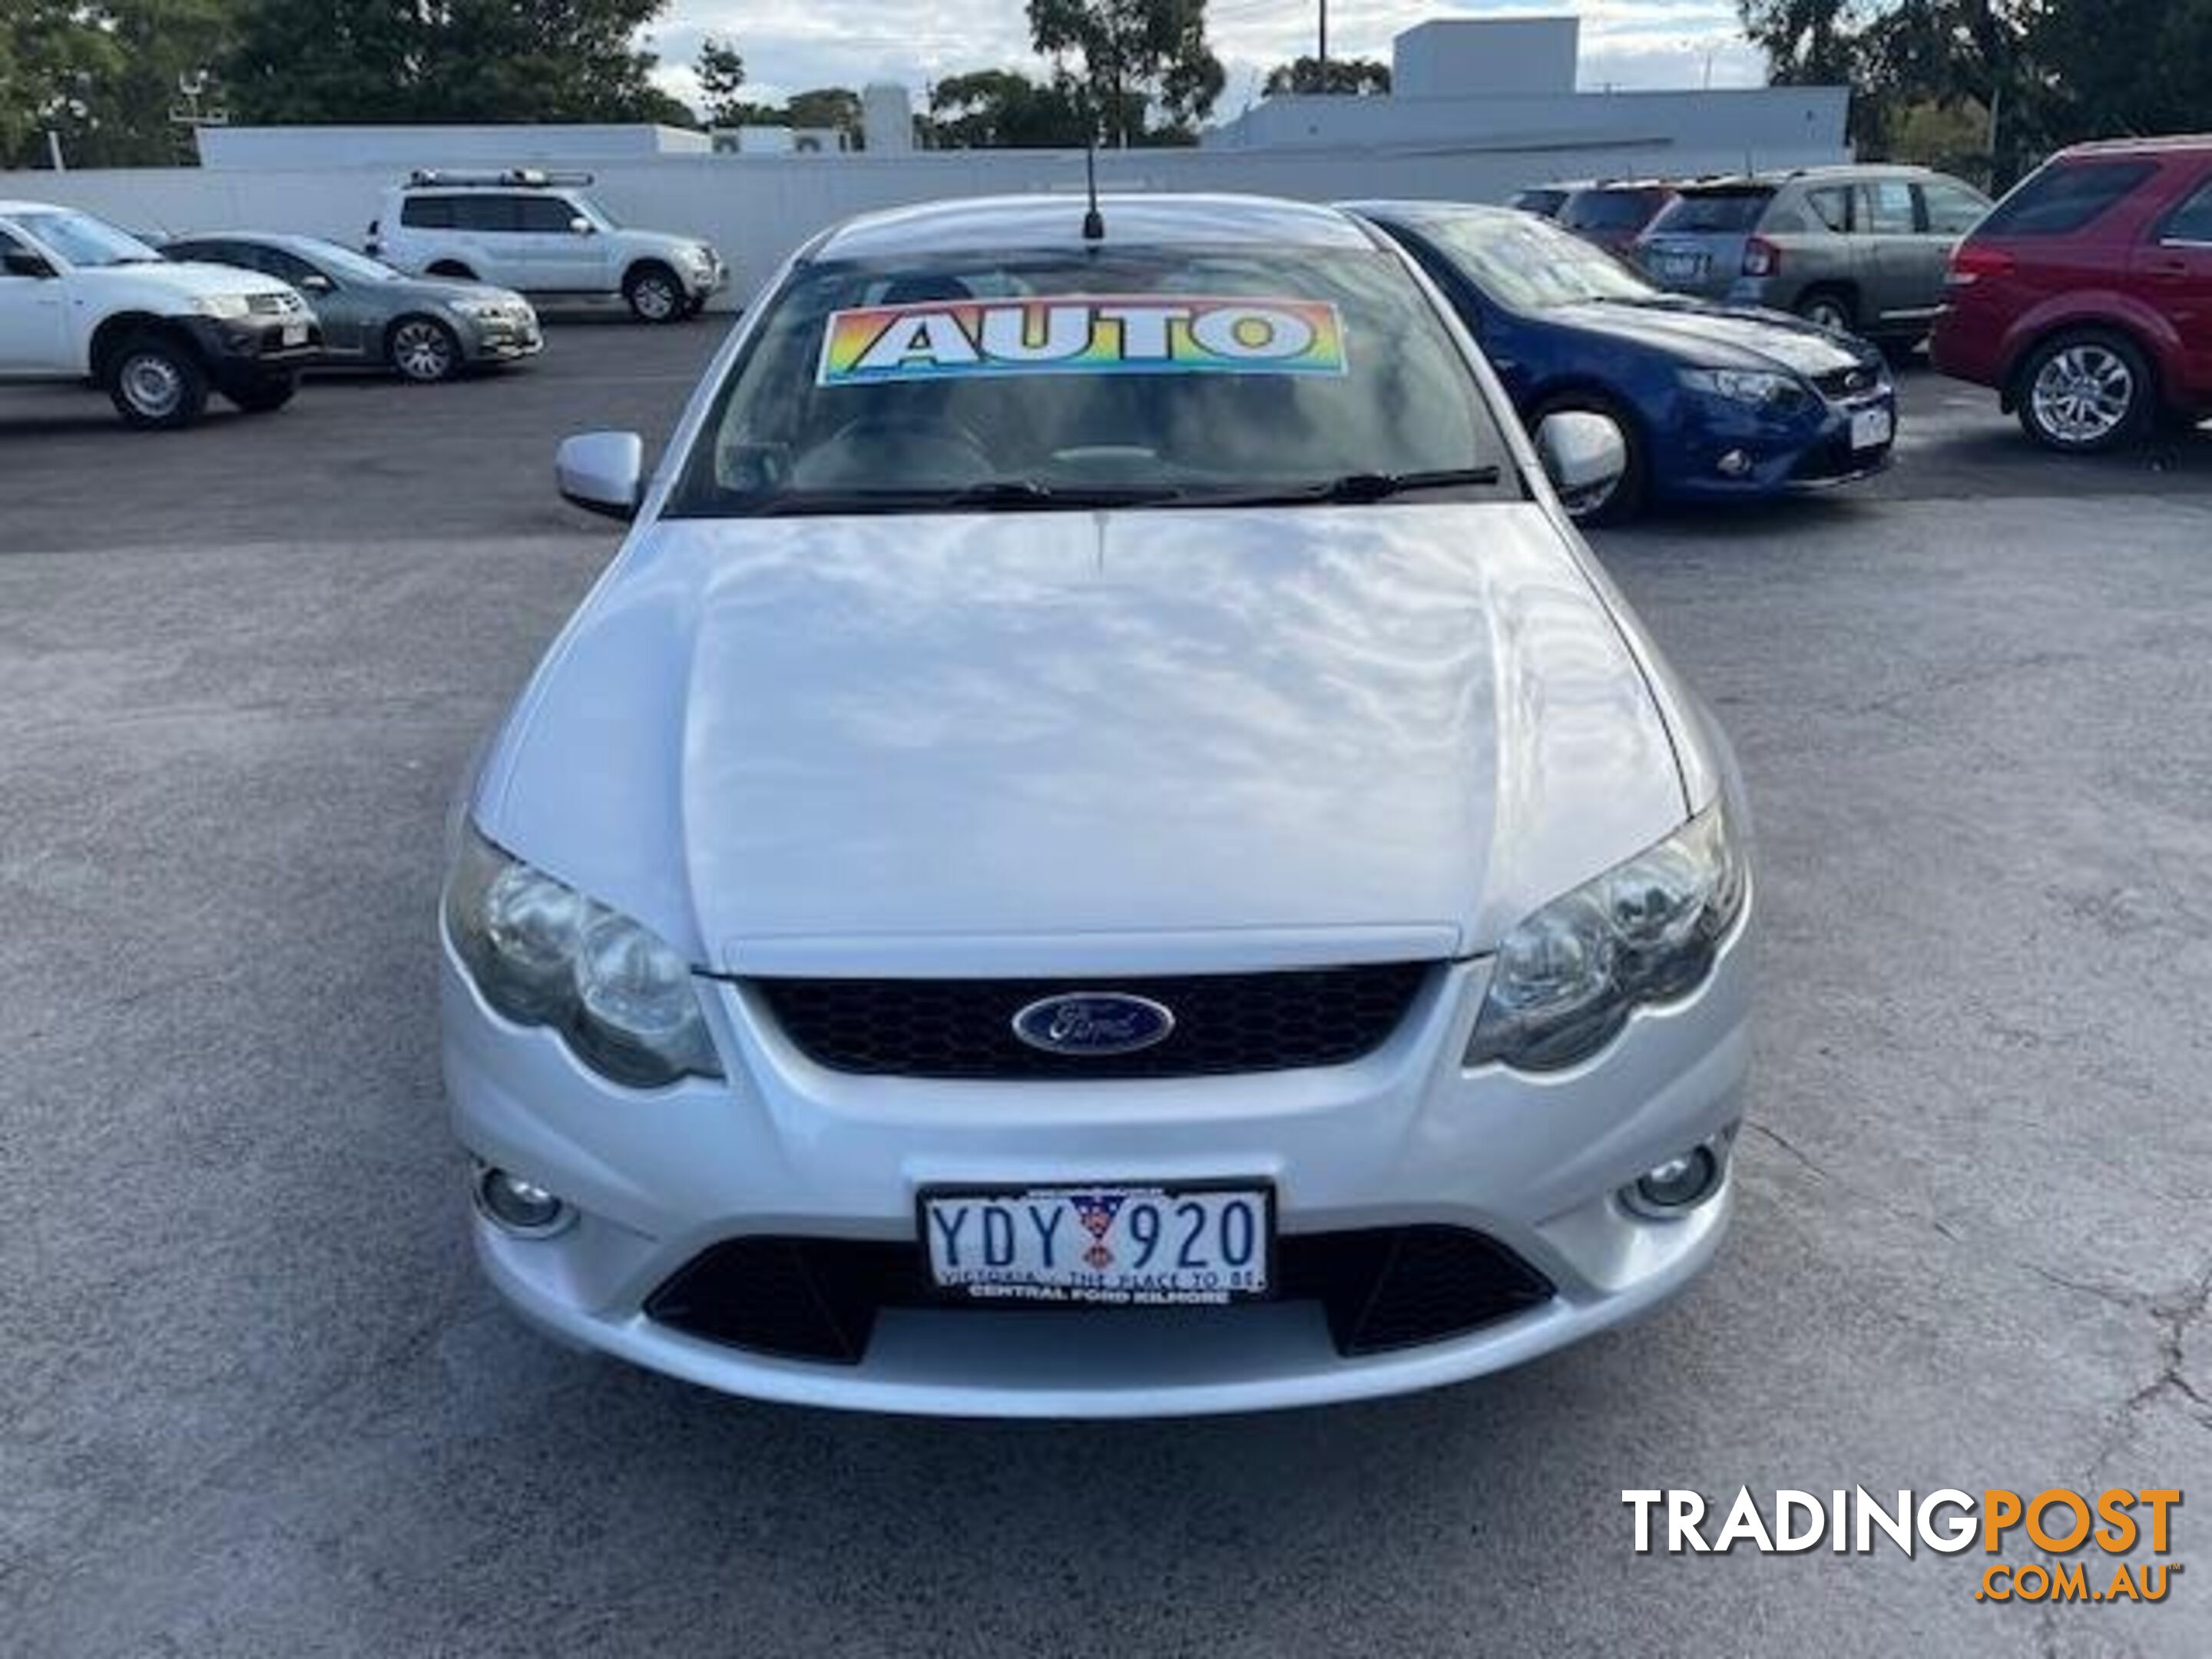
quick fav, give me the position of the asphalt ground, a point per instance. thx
(254, 1399)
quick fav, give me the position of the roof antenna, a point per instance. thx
(1094, 225)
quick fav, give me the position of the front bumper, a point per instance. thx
(502, 339)
(1401, 1137)
(255, 346)
(702, 282)
(1717, 450)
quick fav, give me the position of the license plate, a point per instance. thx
(1680, 265)
(1121, 1246)
(1871, 428)
(295, 334)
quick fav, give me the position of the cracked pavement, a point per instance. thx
(254, 1399)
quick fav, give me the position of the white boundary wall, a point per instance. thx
(757, 208)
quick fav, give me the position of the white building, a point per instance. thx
(516, 144)
(1501, 85)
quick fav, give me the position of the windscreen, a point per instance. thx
(1609, 209)
(1531, 266)
(1054, 378)
(84, 241)
(1712, 211)
(334, 257)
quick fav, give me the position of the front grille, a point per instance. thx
(817, 1298)
(272, 305)
(1835, 460)
(1224, 1022)
(1848, 382)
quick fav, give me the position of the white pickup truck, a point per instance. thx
(81, 299)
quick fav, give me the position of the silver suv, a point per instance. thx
(539, 234)
(1860, 249)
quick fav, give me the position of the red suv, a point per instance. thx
(2084, 297)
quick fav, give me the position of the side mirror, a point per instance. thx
(601, 472)
(315, 282)
(1584, 455)
(21, 262)
(579, 226)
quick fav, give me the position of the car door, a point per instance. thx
(487, 224)
(33, 308)
(561, 257)
(2175, 272)
(1896, 286)
(339, 305)
(1947, 211)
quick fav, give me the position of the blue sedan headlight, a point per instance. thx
(1757, 387)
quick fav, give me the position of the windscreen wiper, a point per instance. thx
(1355, 487)
(994, 496)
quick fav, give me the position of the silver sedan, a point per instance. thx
(423, 328)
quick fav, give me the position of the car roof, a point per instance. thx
(283, 239)
(1837, 171)
(1054, 220)
(1415, 209)
(2183, 141)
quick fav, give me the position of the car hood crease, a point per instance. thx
(1326, 734)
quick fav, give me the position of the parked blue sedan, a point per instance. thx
(1710, 402)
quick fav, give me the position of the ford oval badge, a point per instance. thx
(1096, 1022)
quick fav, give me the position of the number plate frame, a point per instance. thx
(1876, 419)
(1168, 1191)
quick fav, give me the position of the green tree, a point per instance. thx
(1354, 76)
(998, 109)
(2119, 67)
(57, 59)
(161, 46)
(456, 60)
(1132, 56)
(722, 70)
(836, 108)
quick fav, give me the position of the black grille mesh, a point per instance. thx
(817, 1298)
(1224, 1022)
(1848, 382)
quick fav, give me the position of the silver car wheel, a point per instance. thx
(2083, 395)
(152, 386)
(421, 350)
(1828, 314)
(654, 298)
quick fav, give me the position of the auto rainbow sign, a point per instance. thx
(1082, 334)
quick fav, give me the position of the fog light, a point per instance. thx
(519, 1206)
(1680, 1184)
(1735, 463)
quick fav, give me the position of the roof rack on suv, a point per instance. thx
(511, 178)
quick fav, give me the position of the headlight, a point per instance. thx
(1744, 386)
(226, 305)
(1566, 979)
(483, 311)
(543, 954)
(701, 256)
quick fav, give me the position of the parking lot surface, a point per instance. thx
(254, 1399)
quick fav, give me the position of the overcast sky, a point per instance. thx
(790, 44)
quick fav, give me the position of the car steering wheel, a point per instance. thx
(943, 449)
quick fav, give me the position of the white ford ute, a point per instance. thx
(81, 299)
(1103, 849)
